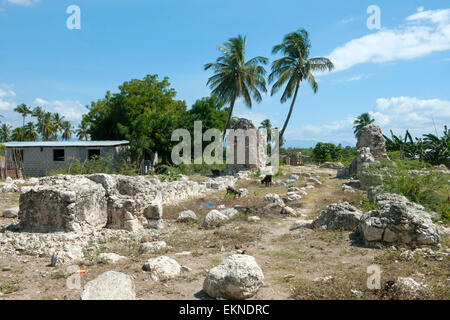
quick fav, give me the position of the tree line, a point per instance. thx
(47, 126)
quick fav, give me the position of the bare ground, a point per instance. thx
(290, 260)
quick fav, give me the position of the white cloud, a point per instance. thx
(335, 131)
(25, 3)
(256, 118)
(419, 116)
(347, 20)
(72, 110)
(422, 33)
(6, 96)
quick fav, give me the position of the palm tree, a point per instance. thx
(38, 113)
(294, 67)
(5, 131)
(234, 78)
(66, 128)
(265, 124)
(47, 127)
(17, 134)
(82, 131)
(24, 111)
(57, 122)
(360, 122)
(30, 133)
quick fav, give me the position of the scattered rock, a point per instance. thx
(289, 211)
(187, 216)
(110, 285)
(162, 268)
(314, 180)
(237, 277)
(152, 247)
(69, 254)
(409, 286)
(10, 213)
(253, 219)
(301, 224)
(230, 212)
(347, 189)
(214, 218)
(273, 198)
(243, 192)
(324, 279)
(111, 257)
(332, 165)
(338, 216)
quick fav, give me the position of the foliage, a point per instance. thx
(96, 165)
(294, 67)
(143, 112)
(430, 148)
(327, 151)
(360, 122)
(427, 188)
(236, 78)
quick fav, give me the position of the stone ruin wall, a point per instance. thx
(92, 202)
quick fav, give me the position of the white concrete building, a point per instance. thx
(38, 158)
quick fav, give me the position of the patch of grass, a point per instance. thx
(8, 287)
(429, 189)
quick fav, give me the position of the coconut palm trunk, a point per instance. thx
(229, 117)
(290, 111)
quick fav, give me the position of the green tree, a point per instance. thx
(294, 67)
(66, 130)
(18, 134)
(24, 111)
(236, 78)
(5, 132)
(29, 132)
(47, 127)
(57, 125)
(82, 131)
(143, 112)
(360, 122)
(265, 124)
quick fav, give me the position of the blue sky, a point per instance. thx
(399, 73)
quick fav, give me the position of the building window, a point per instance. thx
(58, 154)
(93, 153)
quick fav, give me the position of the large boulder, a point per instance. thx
(398, 221)
(338, 216)
(110, 285)
(63, 203)
(162, 268)
(237, 277)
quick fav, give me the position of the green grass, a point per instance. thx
(430, 189)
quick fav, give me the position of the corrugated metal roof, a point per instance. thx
(65, 144)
